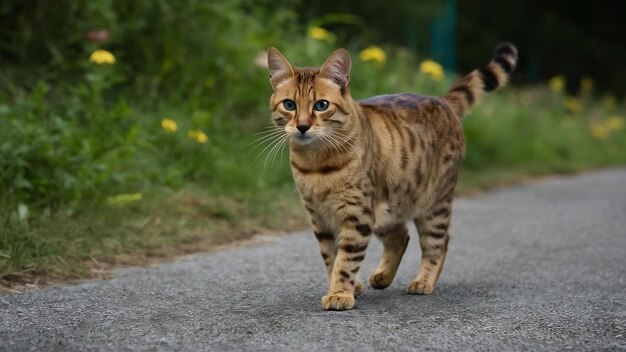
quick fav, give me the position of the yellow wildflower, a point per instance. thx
(373, 53)
(319, 33)
(573, 104)
(102, 57)
(599, 130)
(433, 69)
(557, 83)
(169, 125)
(586, 85)
(614, 123)
(609, 102)
(198, 136)
(122, 199)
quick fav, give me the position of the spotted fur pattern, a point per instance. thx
(367, 167)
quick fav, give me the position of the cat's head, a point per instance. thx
(312, 105)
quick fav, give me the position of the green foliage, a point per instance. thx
(51, 155)
(531, 128)
(82, 128)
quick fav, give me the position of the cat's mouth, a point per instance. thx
(303, 139)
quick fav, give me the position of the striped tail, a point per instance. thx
(495, 75)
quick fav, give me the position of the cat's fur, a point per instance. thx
(366, 167)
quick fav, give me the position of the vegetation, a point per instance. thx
(156, 146)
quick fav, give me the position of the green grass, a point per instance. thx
(162, 225)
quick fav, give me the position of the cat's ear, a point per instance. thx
(337, 67)
(278, 66)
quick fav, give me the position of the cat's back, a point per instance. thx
(414, 108)
(412, 118)
(402, 101)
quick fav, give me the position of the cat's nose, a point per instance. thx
(303, 128)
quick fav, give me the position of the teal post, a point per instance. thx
(443, 36)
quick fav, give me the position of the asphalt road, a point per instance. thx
(534, 267)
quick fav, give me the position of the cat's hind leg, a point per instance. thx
(433, 234)
(394, 239)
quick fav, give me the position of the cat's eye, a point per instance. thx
(321, 105)
(289, 105)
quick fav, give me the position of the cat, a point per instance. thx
(367, 167)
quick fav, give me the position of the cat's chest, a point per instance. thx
(320, 192)
(324, 206)
(330, 197)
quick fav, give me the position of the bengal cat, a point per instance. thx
(367, 167)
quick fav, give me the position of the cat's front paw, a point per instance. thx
(338, 301)
(420, 287)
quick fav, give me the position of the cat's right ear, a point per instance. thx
(279, 67)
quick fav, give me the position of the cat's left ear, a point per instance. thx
(279, 67)
(337, 67)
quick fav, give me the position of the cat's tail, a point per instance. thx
(467, 91)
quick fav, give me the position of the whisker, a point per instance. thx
(347, 145)
(325, 140)
(332, 143)
(263, 139)
(272, 153)
(274, 148)
(265, 142)
(266, 130)
(266, 148)
(280, 149)
(283, 150)
(345, 140)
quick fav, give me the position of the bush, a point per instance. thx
(81, 128)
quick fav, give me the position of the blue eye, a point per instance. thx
(289, 105)
(321, 105)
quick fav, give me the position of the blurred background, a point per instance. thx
(132, 131)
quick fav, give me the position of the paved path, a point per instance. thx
(536, 267)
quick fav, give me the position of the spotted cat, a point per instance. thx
(367, 167)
